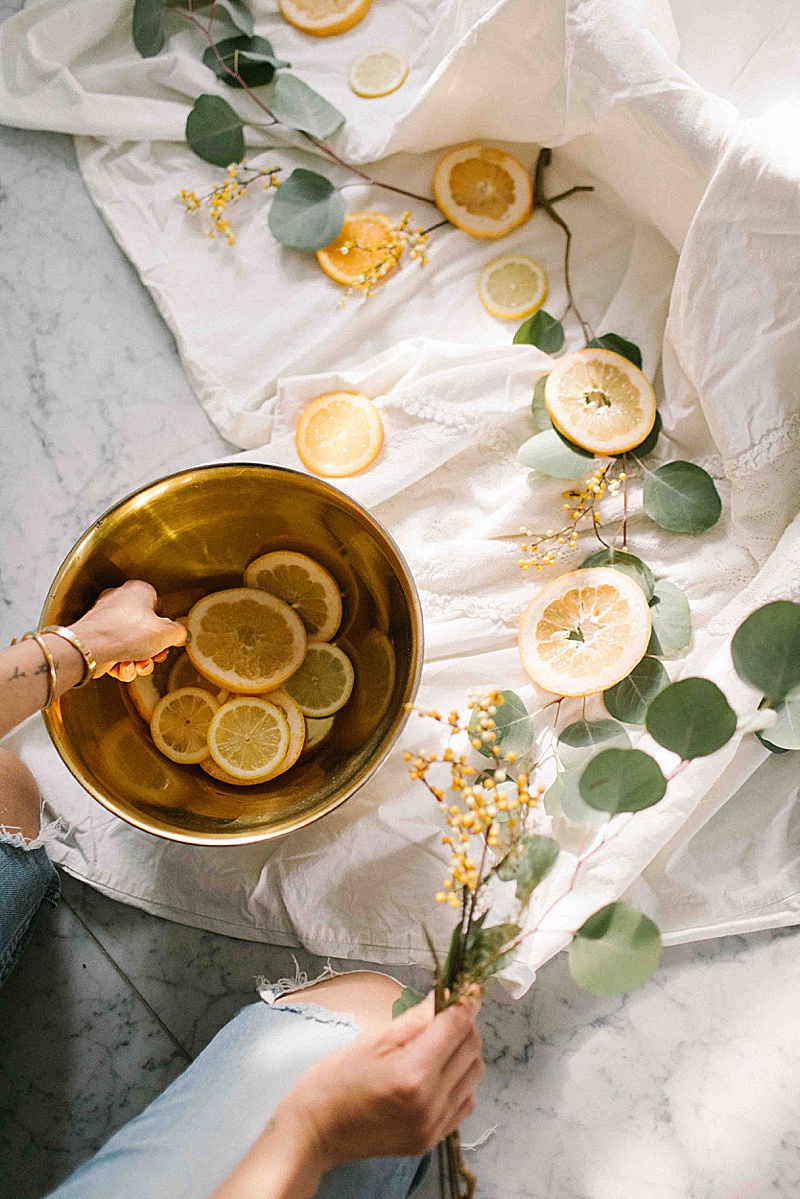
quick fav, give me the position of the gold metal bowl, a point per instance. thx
(195, 532)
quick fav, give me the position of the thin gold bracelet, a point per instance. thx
(75, 641)
(51, 666)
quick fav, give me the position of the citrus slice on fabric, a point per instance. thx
(184, 673)
(147, 689)
(180, 724)
(324, 682)
(324, 18)
(512, 287)
(245, 640)
(302, 584)
(378, 73)
(600, 400)
(339, 434)
(317, 731)
(297, 736)
(584, 632)
(483, 191)
(248, 737)
(365, 251)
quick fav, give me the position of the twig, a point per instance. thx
(625, 502)
(540, 200)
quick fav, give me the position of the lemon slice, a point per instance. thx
(483, 191)
(364, 253)
(245, 640)
(248, 737)
(378, 73)
(323, 683)
(185, 674)
(600, 400)
(512, 287)
(302, 584)
(324, 18)
(317, 731)
(297, 736)
(339, 434)
(147, 689)
(584, 632)
(180, 724)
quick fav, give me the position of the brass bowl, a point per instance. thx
(192, 533)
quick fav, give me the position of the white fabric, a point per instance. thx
(696, 212)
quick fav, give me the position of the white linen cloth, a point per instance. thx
(689, 246)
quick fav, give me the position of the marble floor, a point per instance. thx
(688, 1089)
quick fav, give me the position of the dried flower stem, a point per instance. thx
(540, 200)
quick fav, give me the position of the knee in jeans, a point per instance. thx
(20, 801)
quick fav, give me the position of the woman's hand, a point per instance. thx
(124, 633)
(393, 1093)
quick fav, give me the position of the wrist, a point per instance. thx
(99, 641)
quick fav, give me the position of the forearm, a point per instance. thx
(281, 1164)
(24, 677)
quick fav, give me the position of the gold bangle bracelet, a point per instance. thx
(50, 662)
(75, 641)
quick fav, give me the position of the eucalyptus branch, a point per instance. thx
(540, 200)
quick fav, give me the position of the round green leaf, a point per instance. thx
(681, 497)
(252, 57)
(579, 740)
(541, 417)
(541, 330)
(672, 620)
(616, 950)
(628, 700)
(627, 563)
(766, 649)
(613, 341)
(214, 131)
(528, 864)
(692, 718)
(622, 780)
(307, 212)
(564, 798)
(547, 453)
(513, 727)
(298, 106)
(148, 27)
(649, 444)
(786, 733)
(238, 13)
(409, 997)
(576, 449)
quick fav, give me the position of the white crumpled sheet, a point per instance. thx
(689, 246)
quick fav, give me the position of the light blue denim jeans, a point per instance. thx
(190, 1138)
(29, 884)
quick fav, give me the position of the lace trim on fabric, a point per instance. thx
(436, 604)
(768, 447)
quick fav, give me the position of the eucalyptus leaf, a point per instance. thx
(613, 341)
(298, 106)
(649, 444)
(692, 718)
(773, 749)
(766, 649)
(307, 212)
(628, 700)
(627, 564)
(786, 733)
(409, 997)
(513, 727)
(214, 131)
(239, 15)
(528, 863)
(565, 796)
(482, 952)
(616, 950)
(541, 330)
(548, 454)
(671, 620)
(579, 740)
(252, 57)
(541, 417)
(572, 445)
(622, 780)
(148, 27)
(681, 497)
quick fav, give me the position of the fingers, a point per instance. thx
(178, 632)
(124, 671)
(445, 1034)
(145, 667)
(162, 657)
(408, 1026)
(455, 1119)
(463, 1061)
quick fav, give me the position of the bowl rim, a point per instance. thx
(219, 840)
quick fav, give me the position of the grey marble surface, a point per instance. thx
(687, 1089)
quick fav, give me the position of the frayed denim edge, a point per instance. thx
(9, 835)
(320, 1015)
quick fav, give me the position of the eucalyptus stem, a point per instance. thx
(625, 502)
(540, 200)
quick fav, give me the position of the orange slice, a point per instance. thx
(245, 640)
(297, 736)
(365, 251)
(180, 724)
(378, 73)
(339, 434)
(248, 737)
(512, 287)
(483, 191)
(302, 584)
(147, 689)
(324, 682)
(584, 632)
(600, 400)
(324, 18)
